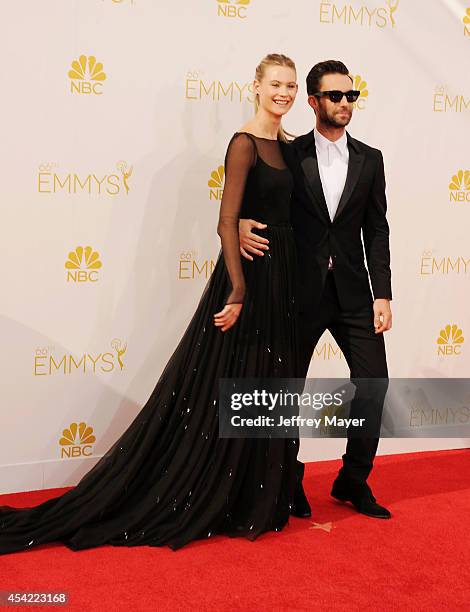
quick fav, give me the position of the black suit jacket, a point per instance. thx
(361, 210)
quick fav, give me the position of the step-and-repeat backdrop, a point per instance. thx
(116, 116)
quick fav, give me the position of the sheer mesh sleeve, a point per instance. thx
(238, 161)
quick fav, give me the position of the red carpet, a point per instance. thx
(419, 560)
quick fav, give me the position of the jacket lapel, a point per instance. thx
(309, 164)
(356, 161)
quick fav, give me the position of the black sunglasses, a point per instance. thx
(336, 96)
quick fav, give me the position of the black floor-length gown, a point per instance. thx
(169, 479)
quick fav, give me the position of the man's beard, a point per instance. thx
(331, 121)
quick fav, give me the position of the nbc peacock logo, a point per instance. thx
(76, 441)
(86, 76)
(82, 265)
(459, 187)
(361, 85)
(450, 340)
(466, 23)
(233, 9)
(216, 183)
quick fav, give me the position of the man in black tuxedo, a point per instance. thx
(339, 194)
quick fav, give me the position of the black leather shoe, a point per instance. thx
(361, 498)
(300, 506)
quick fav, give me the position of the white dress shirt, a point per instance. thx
(333, 159)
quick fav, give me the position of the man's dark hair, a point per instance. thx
(315, 75)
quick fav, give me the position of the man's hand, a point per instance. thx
(249, 242)
(382, 315)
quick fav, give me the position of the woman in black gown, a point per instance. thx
(169, 478)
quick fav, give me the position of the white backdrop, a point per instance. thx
(116, 114)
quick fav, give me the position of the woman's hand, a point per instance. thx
(227, 317)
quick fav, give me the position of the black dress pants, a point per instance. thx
(364, 351)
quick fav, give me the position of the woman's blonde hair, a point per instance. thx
(273, 59)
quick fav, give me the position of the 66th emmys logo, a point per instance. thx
(459, 187)
(76, 441)
(232, 8)
(216, 183)
(361, 14)
(450, 340)
(192, 267)
(47, 362)
(198, 87)
(466, 23)
(361, 85)
(82, 265)
(433, 265)
(326, 352)
(51, 181)
(87, 76)
(445, 102)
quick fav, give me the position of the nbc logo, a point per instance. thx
(232, 8)
(82, 265)
(76, 441)
(86, 76)
(216, 183)
(460, 187)
(450, 340)
(360, 85)
(466, 23)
